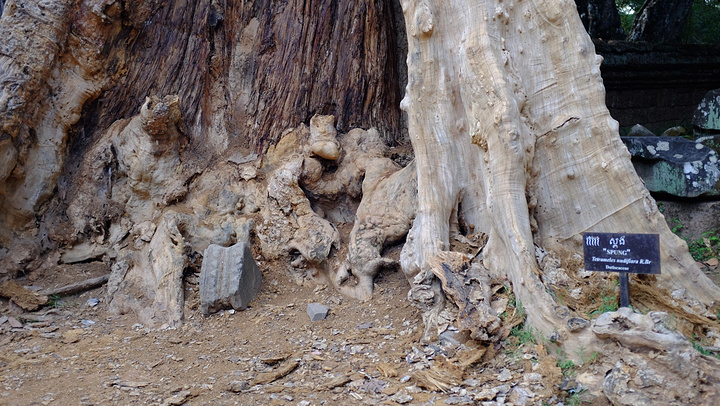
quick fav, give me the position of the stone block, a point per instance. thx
(229, 277)
(707, 114)
(674, 165)
(316, 311)
(639, 131)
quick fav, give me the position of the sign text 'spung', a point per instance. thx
(617, 252)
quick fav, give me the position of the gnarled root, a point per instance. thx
(149, 281)
(384, 217)
(655, 365)
(470, 287)
(426, 294)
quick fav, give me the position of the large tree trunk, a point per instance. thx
(243, 71)
(660, 21)
(512, 139)
(515, 155)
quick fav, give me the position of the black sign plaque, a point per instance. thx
(622, 252)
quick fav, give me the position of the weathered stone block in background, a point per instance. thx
(229, 277)
(639, 131)
(674, 165)
(707, 115)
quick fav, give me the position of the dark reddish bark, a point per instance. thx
(660, 21)
(601, 19)
(329, 57)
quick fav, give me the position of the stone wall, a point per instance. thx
(658, 86)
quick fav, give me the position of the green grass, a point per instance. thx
(53, 301)
(520, 335)
(677, 226)
(608, 304)
(705, 247)
(567, 366)
(523, 335)
(702, 350)
(574, 399)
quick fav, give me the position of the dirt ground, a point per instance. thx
(71, 352)
(271, 353)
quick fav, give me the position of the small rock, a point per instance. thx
(21, 296)
(3, 319)
(454, 337)
(316, 311)
(504, 375)
(486, 394)
(14, 323)
(86, 323)
(178, 398)
(401, 397)
(519, 396)
(674, 132)
(577, 323)
(533, 377)
(583, 273)
(72, 336)
(459, 400)
(678, 294)
(639, 131)
(238, 386)
(93, 301)
(405, 378)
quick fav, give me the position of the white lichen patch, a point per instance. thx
(691, 167)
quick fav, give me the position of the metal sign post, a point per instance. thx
(622, 253)
(624, 290)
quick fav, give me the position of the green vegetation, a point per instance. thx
(702, 350)
(608, 304)
(677, 226)
(706, 247)
(523, 335)
(53, 301)
(627, 10)
(574, 399)
(703, 248)
(701, 26)
(567, 366)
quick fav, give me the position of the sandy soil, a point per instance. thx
(363, 352)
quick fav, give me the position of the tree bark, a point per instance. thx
(515, 153)
(601, 19)
(493, 127)
(660, 21)
(243, 71)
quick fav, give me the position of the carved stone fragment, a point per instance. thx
(229, 278)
